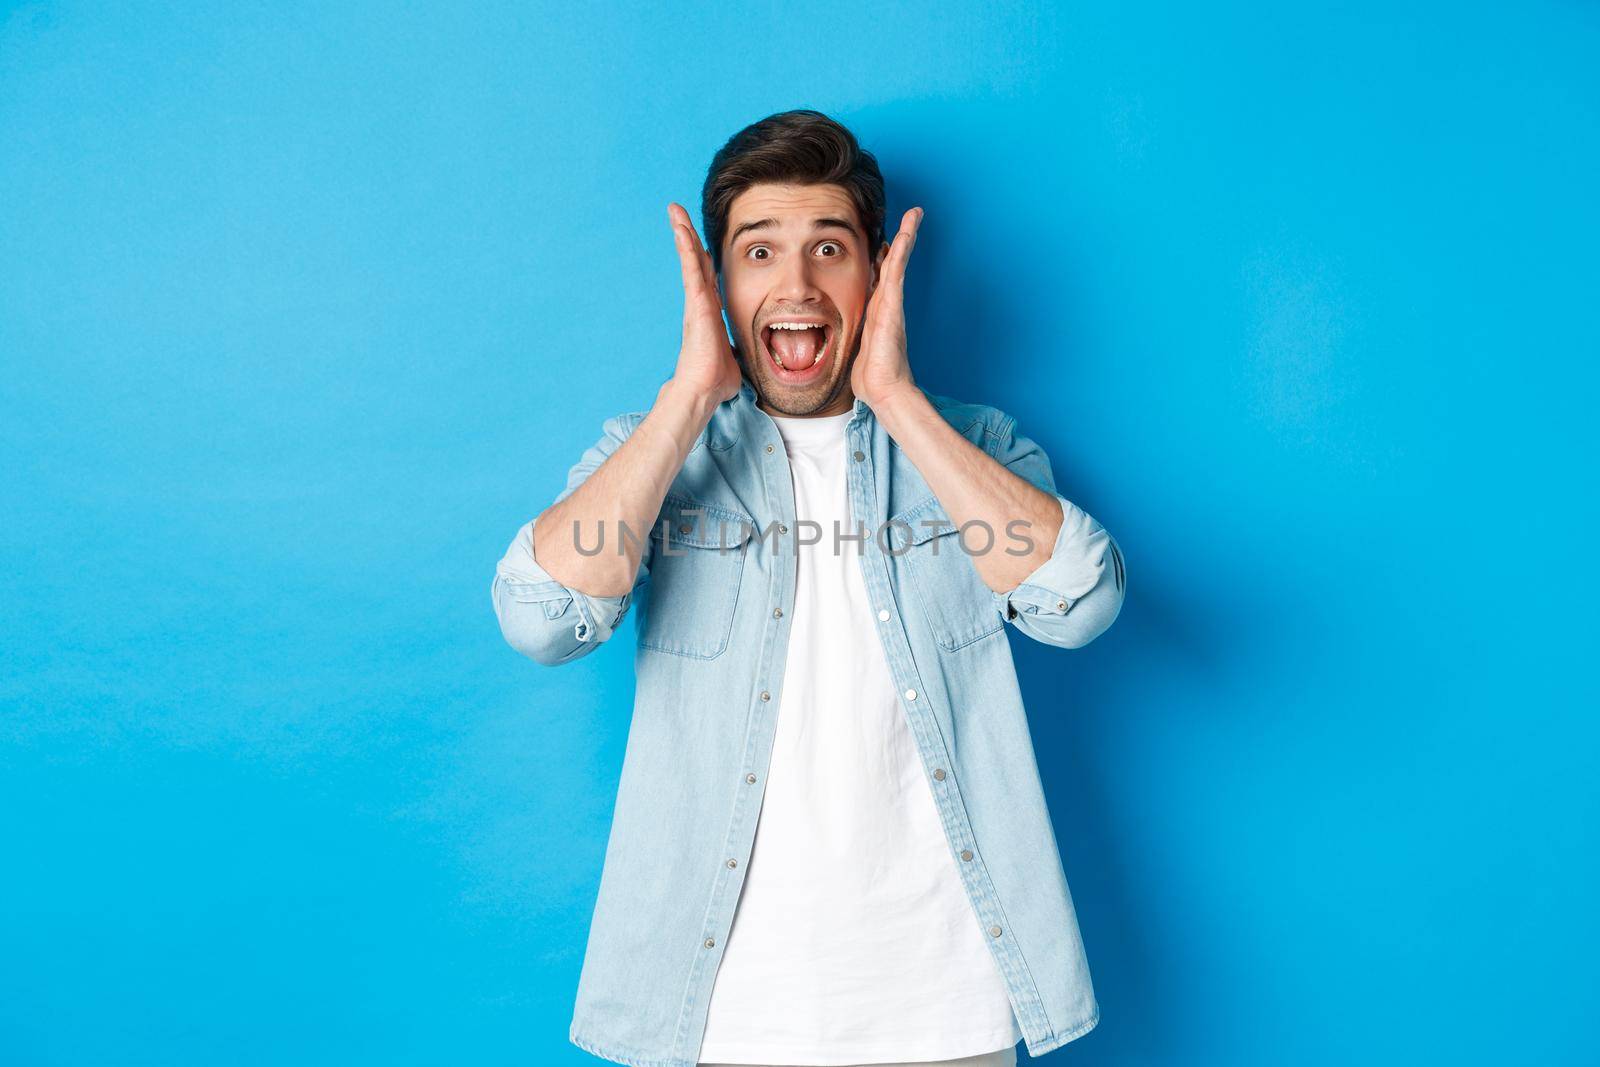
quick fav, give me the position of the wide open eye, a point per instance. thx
(832, 244)
(759, 248)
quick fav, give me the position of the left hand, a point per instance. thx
(882, 370)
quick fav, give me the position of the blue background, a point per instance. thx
(303, 313)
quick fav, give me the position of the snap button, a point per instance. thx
(1061, 605)
(732, 864)
(939, 773)
(749, 777)
(711, 942)
(966, 854)
(782, 528)
(994, 931)
(860, 455)
(911, 694)
(777, 613)
(765, 695)
(769, 450)
(883, 616)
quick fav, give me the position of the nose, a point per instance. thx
(796, 284)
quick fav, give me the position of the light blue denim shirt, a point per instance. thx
(715, 594)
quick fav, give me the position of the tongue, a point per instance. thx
(799, 349)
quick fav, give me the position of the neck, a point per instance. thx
(839, 406)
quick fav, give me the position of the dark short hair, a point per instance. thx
(801, 147)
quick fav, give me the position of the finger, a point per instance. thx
(708, 268)
(708, 271)
(894, 264)
(689, 254)
(904, 241)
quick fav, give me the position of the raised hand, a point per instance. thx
(882, 368)
(706, 365)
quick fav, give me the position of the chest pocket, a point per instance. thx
(958, 606)
(697, 556)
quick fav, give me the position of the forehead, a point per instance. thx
(791, 205)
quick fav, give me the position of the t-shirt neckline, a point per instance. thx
(801, 430)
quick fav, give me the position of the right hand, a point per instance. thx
(706, 365)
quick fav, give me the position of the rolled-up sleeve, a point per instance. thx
(1075, 595)
(547, 621)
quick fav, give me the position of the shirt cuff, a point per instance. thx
(592, 618)
(1077, 560)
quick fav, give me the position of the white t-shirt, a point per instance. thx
(853, 940)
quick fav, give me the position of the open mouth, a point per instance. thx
(798, 348)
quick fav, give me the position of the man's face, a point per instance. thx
(796, 254)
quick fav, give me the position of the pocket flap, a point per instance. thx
(699, 525)
(921, 522)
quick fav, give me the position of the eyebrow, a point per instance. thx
(816, 224)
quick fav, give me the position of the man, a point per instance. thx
(830, 843)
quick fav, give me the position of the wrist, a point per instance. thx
(893, 406)
(695, 403)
